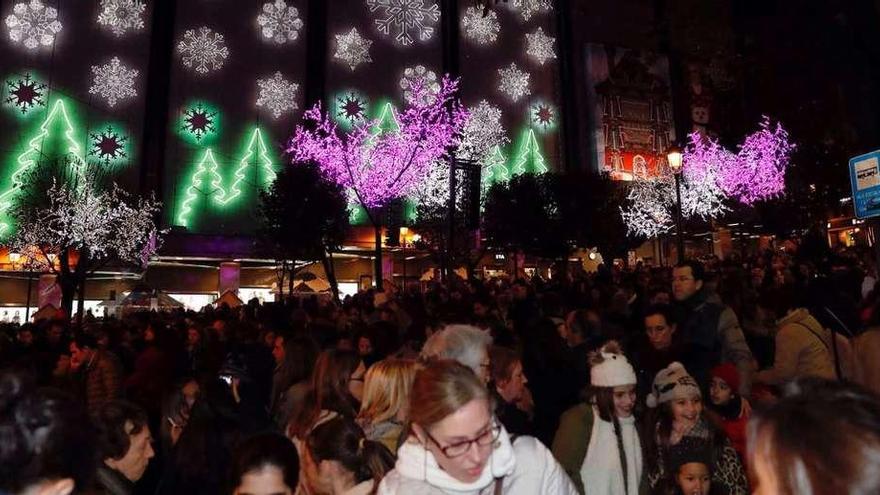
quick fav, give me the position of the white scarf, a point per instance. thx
(601, 471)
(416, 462)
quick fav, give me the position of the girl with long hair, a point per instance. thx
(385, 403)
(597, 442)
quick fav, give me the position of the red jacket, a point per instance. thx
(736, 431)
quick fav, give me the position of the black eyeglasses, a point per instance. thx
(459, 448)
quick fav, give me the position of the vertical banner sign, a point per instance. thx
(864, 175)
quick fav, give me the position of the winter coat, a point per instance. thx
(103, 380)
(110, 482)
(866, 357)
(734, 421)
(525, 467)
(727, 470)
(711, 335)
(803, 348)
(572, 441)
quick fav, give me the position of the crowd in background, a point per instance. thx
(708, 377)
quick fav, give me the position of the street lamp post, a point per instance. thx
(674, 158)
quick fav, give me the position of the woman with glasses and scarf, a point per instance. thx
(456, 446)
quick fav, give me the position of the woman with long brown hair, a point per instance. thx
(597, 442)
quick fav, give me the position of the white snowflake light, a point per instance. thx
(203, 49)
(33, 24)
(120, 16)
(479, 28)
(513, 82)
(407, 20)
(482, 133)
(540, 46)
(279, 23)
(419, 76)
(277, 94)
(528, 8)
(353, 49)
(113, 81)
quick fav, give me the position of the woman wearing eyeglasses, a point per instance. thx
(456, 446)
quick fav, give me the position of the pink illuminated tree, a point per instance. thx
(376, 167)
(758, 173)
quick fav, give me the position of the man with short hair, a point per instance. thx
(710, 330)
(99, 369)
(124, 446)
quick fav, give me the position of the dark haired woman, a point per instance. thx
(341, 461)
(597, 442)
(266, 464)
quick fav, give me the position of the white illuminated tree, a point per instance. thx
(75, 227)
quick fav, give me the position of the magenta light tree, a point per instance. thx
(377, 167)
(758, 173)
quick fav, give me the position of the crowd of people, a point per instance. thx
(730, 377)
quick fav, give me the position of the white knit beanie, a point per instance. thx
(613, 371)
(672, 383)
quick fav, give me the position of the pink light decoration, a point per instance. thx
(703, 162)
(758, 173)
(380, 166)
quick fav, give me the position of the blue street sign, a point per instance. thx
(864, 175)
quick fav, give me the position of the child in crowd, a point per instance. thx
(597, 442)
(690, 472)
(733, 410)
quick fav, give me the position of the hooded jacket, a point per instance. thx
(803, 348)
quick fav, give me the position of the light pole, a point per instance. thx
(673, 157)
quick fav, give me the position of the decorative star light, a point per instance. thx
(199, 121)
(647, 213)
(483, 132)
(759, 170)
(479, 28)
(277, 94)
(25, 93)
(120, 16)
(388, 165)
(540, 46)
(108, 145)
(528, 8)
(513, 82)
(353, 49)
(113, 81)
(419, 77)
(407, 20)
(203, 49)
(542, 115)
(351, 108)
(279, 23)
(33, 24)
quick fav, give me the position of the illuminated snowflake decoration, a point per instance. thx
(351, 108)
(540, 46)
(479, 28)
(113, 81)
(199, 121)
(513, 82)
(528, 8)
(33, 24)
(647, 213)
(120, 16)
(203, 50)
(482, 133)
(279, 23)
(277, 94)
(25, 93)
(353, 49)
(406, 20)
(419, 77)
(542, 115)
(108, 145)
